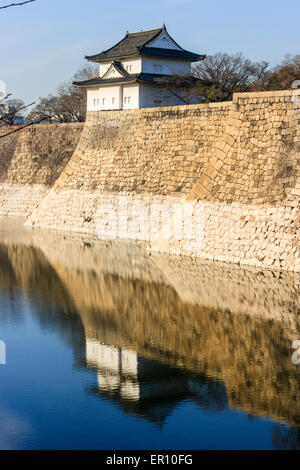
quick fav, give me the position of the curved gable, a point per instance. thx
(116, 70)
(164, 41)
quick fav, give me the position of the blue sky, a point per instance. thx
(44, 43)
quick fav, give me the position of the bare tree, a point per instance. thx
(17, 4)
(284, 74)
(20, 128)
(184, 87)
(12, 112)
(51, 107)
(228, 74)
(69, 102)
(5, 113)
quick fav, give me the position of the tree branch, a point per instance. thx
(16, 4)
(23, 127)
(15, 111)
(5, 97)
(176, 94)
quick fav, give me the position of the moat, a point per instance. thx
(109, 347)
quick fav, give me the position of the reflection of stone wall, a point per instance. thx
(30, 162)
(262, 293)
(233, 324)
(252, 354)
(271, 295)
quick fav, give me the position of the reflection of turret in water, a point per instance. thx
(147, 387)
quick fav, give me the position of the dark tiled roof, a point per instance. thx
(172, 53)
(100, 81)
(136, 43)
(160, 79)
(127, 46)
(155, 79)
(119, 67)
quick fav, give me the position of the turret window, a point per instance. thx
(157, 68)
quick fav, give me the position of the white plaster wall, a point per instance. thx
(106, 93)
(103, 67)
(131, 91)
(129, 360)
(168, 66)
(102, 355)
(152, 96)
(140, 96)
(136, 65)
(114, 73)
(125, 97)
(145, 65)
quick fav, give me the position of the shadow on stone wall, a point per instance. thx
(7, 152)
(37, 155)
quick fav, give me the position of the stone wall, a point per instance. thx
(148, 151)
(30, 162)
(238, 160)
(257, 158)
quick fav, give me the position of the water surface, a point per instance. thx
(111, 348)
